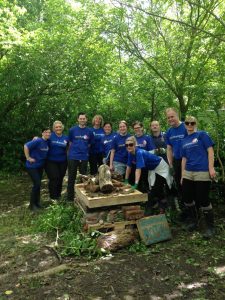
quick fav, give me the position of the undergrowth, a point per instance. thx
(65, 222)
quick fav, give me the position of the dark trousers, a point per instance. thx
(197, 191)
(73, 166)
(55, 172)
(158, 191)
(143, 185)
(95, 161)
(35, 175)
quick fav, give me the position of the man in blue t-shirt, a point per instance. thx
(80, 138)
(174, 136)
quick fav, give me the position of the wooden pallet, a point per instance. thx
(108, 200)
(111, 226)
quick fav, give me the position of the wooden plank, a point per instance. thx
(109, 199)
(154, 229)
(111, 226)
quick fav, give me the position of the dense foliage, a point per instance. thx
(124, 59)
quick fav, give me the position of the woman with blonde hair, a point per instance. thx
(56, 163)
(157, 168)
(197, 173)
(96, 151)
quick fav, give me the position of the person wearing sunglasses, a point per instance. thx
(118, 155)
(197, 173)
(157, 168)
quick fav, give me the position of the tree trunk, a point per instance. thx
(105, 181)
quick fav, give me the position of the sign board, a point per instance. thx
(154, 229)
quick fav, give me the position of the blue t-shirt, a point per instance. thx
(194, 149)
(174, 137)
(118, 144)
(143, 159)
(145, 142)
(80, 139)
(38, 149)
(57, 148)
(106, 142)
(96, 146)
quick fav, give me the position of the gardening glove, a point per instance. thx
(134, 187)
(126, 181)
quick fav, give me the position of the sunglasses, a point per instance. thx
(129, 145)
(190, 123)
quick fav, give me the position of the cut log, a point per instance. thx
(118, 239)
(105, 181)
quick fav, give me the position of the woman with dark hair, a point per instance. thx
(96, 155)
(106, 141)
(197, 173)
(118, 156)
(36, 152)
(56, 163)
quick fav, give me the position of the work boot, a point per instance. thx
(191, 223)
(209, 220)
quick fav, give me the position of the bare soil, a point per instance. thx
(186, 267)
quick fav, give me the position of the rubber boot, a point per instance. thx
(210, 228)
(192, 220)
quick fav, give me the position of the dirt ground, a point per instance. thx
(186, 267)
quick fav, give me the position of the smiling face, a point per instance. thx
(46, 134)
(58, 128)
(107, 129)
(138, 130)
(122, 128)
(131, 144)
(82, 120)
(191, 124)
(172, 118)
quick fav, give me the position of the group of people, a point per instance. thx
(149, 163)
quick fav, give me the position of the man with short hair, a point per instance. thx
(80, 139)
(174, 136)
(158, 138)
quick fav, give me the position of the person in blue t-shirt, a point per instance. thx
(106, 141)
(56, 163)
(96, 152)
(144, 142)
(159, 139)
(158, 170)
(197, 173)
(80, 139)
(118, 156)
(174, 136)
(36, 152)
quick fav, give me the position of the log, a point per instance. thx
(105, 181)
(117, 239)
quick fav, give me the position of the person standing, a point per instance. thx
(96, 152)
(159, 139)
(80, 139)
(174, 136)
(106, 141)
(118, 156)
(197, 172)
(36, 152)
(144, 141)
(56, 163)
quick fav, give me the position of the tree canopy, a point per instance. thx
(123, 59)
